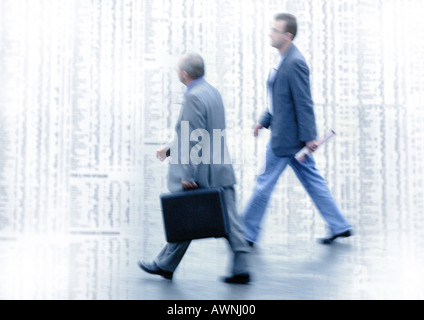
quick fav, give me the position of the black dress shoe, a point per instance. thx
(330, 240)
(154, 269)
(243, 278)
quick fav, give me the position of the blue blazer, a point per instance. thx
(293, 120)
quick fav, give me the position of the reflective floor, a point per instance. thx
(102, 266)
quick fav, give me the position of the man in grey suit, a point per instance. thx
(199, 156)
(291, 118)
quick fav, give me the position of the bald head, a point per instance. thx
(193, 65)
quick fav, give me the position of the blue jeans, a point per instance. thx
(311, 180)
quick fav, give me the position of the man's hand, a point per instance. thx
(189, 185)
(256, 129)
(312, 145)
(161, 153)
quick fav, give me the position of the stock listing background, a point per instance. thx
(89, 92)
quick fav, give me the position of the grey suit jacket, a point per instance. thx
(202, 117)
(293, 121)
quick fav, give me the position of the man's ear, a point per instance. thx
(185, 75)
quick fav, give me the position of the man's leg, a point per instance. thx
(167, 260)
(171, 255)
(255, 209)
(317, 189)
(236, 239)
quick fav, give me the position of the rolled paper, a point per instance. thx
(304, 152)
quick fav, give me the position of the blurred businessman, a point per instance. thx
(290, 116)
(202, 111)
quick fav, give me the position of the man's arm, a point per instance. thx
(163, 152)
(301, 92)
(263, 122)
(265, 119)
(194, 113)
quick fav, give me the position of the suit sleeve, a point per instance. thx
(301, 93)
(265, 119)
(194, 112)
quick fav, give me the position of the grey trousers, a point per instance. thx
(172, 254)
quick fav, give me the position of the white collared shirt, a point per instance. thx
(270, 82)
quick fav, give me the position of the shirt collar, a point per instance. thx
(191, 84)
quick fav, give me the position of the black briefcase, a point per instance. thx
(195, 214)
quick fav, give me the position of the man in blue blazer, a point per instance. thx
(291, 118)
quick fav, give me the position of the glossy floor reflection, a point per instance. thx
(96, 266)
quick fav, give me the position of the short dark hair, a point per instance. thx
(291, 22)
(194, 65)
